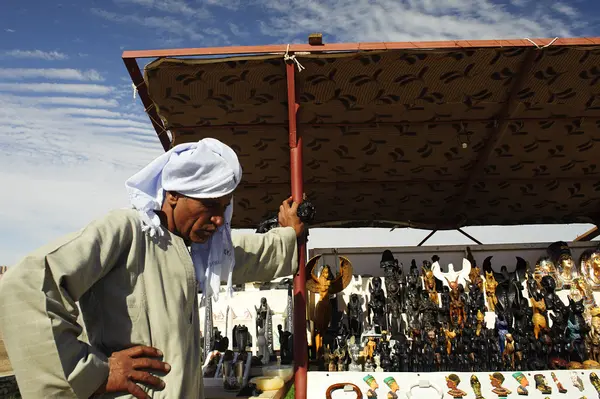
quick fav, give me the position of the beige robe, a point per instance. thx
(132, 290)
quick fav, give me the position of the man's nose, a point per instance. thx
(218, 220)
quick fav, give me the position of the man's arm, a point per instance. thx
(264, 257)
(38, 311)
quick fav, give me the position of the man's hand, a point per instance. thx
(126, 371)
(288, 216)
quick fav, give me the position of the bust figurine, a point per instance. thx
(567, 269)
(590, 265)
(452, 382)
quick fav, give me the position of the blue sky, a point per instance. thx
(68, 144)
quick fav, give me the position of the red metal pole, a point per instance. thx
(296, 164)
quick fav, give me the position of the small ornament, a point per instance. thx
(394, 388)
(373, 386)
(523, 383)
(476, 385)
(577, 381)
(541, 384)
(452, 382)
(595, 381)
(497, 379)
(560, 387)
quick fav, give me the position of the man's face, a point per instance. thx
(196, 220)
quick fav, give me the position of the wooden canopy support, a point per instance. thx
(589, 235)
(458, 205)
(140, 86)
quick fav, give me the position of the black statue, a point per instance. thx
(394, 289)
(306, 213)
(355, 316)
(377, 306)
(285, 347)
(576, 330)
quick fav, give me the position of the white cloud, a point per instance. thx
(391, 20)
(89, 89)
(43, 55)
(50, 73)
(73, 101)
(10, 30)
(169, 6)
(163, 24)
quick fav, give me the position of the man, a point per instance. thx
(135, 274)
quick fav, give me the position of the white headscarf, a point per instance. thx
(206, 169)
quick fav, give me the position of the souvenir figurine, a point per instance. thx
(480, 323)
(264, 320)
(508, 355)
(523, 383)
(285, 349)
(355, 316)
(263, 346)
(452, 276)
(590, 264)
(476, 385)
(577, 381)
(541, 384)
(376, 306)
(326, 285)
(593, 336)
(490, 291)
(329, 359)
(560, 387)
(576, 329)
(496, 380)
(341, 357)
(370, 348)
(567, 269)
(538, 306)
(373, 386)
(369, 365)
(452, 382)
(429, 282)
(546, 267)
(595, 382)
(354, 350)
(394, 388)
(393, 286)
(581, 290)
(475, 273)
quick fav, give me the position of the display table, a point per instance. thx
(213, 389)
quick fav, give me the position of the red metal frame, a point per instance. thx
(373, 46)
(297, 180)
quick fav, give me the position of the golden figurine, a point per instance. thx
(509, 350)
(490, 291)
(475, 273)
(566, 268)
(370, 348)
(539, 318)
(590, 267)
(429, 282)
(476, 385)
(325, 285)
(480, 322)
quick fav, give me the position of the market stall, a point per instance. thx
(436, 135)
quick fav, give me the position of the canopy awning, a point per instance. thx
(432, 135)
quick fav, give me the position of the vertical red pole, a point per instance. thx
(297, 178)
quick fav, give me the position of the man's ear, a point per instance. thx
(171, 198)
